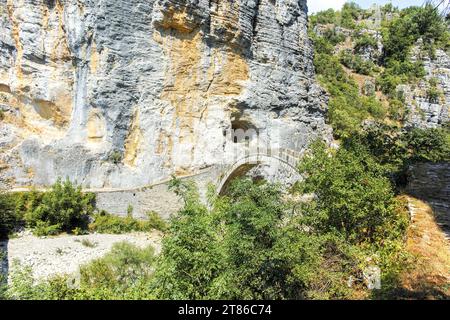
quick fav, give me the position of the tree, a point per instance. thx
(64, 208)
(353, 195)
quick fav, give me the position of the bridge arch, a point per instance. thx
(285, 159)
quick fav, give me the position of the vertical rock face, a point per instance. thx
(427, 111)
(123, 93)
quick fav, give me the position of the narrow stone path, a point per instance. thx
(428, 242)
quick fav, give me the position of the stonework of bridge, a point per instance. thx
(157, 197)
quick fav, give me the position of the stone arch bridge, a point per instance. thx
(157, 197)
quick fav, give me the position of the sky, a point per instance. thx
(319, 5)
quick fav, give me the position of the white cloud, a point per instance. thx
(319, 5)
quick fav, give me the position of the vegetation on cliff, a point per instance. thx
(347, 47)
(260, 241)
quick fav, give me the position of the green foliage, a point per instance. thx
(156, 222)
(8, 217)
(333, 37)
(107, 223)
(399, 72)
(357, 64)
(45, 228)
(254, 245)
(354, 196)
(350, 13)
(130, 210)
(433, 93)
(363, 42)
(64, 208)
(428, 145)
(414, 23)
(124, 273)
(347, 111)
(401, 34)
(347, 108)
(397, 109)
(115, 157)
(324, 17)
(192, 257)
(355, 200)
(397, 149)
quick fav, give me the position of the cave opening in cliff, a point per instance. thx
(243, 131)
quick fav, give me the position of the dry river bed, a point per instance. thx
(49, 256)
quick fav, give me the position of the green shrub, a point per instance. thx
(397, 109)
(107, 223)
(254, 245)
(130, 210)
(364, 42)
(115, 157)
(89, 244)
(356, 63)
(396, 149)
(350, 13)
(402, 33)
(9, 219)
(324, 17)
(354, 195)
(155, 221)
(64, 208)
(428, 145)
(44, 228)
(333, 37)
(123, 273)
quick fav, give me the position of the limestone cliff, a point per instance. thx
(124, 93)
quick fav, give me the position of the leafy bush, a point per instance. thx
(115, 156)
(124, 273)
(324, 17)
(107, 223)
(333, 37)
(44, 228)
(433, 93)
(8, 217)
(354, 196)
(64, 208)
(347, 108)
(363, 42)
(428, 145)
(254, 245)
(356, 63)
(397, 149)
(350, 13)
(126, 270)
(401, 34)
(155, 221)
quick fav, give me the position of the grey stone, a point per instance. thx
(125, 93)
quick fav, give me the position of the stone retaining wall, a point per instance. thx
(156, 198)
(431, 182)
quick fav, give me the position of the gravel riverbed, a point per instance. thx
(49, 256)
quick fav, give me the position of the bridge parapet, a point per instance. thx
(275, 157)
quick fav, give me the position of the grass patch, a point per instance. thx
(89, 244)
